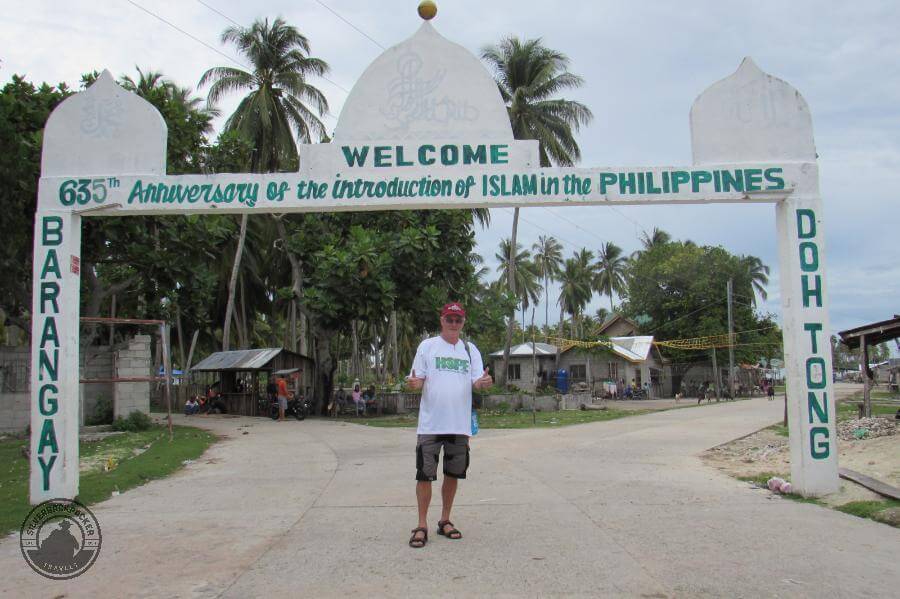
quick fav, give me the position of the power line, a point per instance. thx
(335, 13)
(216, 50)
(221, 14)
(193, 37)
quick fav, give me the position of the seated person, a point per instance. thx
(358, 401)
(369, 397)
(191, 406)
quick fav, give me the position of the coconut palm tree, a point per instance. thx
(276, 103)
(655, 238)
(548, 258)
(575, 279)
(529, 76)
(758, 274)
(278, 91)
(610, 270)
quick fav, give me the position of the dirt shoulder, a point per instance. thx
(768, 453)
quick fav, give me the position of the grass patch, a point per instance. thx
(871, 510)
(848, 410)
(780, 430)
(136, 457)
(511, 420)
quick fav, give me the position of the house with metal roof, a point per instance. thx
(241, 376)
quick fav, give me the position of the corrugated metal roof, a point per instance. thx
(524, 350)
(242, 359)
(635, 349)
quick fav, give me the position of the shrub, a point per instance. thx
(136, 421)
(103, 412)
(503, 407)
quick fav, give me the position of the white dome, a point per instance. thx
(425, 88)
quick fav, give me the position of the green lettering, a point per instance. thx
(48, 438)
(771, 177)
(477, 155)
(819, 409)
(820, 449)
(815, 291)
(809, 256)
(499, 154)
(807, 216)
(45, 469)
(51, 230)
(382, 156)
(810, 364)
(424, 158)
(49, 333)
(753, 179)
(698, 178)
(48, 406)
(49, 293)
(606, 179)
(679, 177)
(51, 265)
(355, 156)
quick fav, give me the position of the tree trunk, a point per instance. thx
(395, 363)
(232, 284)
(354, 352)
(181, 359)
(559, 333)
(293, 344)
(511, 281)
(245, 327)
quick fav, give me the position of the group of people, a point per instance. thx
(209, 403)
(622, 390)
(361, 400)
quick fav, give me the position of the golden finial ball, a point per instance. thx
(427, 9)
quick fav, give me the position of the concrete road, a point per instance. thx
(620, 508)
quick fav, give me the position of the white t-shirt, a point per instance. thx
(446, 407)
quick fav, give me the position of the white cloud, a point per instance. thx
(643, 66)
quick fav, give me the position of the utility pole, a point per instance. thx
(730, 340)
(716, 376)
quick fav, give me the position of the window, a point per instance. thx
(577, 372)
(514, 372)
(614, 371)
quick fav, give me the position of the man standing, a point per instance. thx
(281, 383)
(446, 368)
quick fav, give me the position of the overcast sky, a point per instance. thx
(643, 64)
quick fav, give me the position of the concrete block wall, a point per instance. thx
(15, 398)
(133, 360)
(96, 363)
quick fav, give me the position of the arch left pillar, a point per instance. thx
(89, 140)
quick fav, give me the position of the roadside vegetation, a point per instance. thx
(115, 463)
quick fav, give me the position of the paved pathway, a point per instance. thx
(621, 508)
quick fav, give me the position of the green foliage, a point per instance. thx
(874, 510)
(680, 289)
(278, 92)
(158, 459)
(103, 412)
(23, 111)
(136, 421)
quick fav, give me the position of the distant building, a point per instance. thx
(632, 358)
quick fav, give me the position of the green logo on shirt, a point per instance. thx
(451, 364)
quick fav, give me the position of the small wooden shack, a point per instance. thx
(241, 376)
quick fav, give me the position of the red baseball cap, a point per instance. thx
(453, 308)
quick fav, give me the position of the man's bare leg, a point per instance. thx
(423, 499)
(448, 493)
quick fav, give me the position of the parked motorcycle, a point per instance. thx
(297, 407)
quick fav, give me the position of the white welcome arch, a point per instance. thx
(425, 127)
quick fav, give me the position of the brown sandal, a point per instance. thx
(450, 534)
(418, 542)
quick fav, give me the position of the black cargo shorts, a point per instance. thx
(428, 450)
